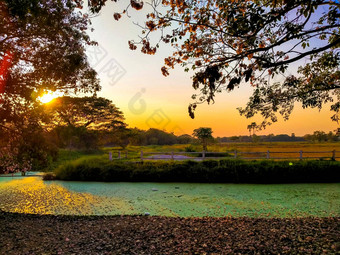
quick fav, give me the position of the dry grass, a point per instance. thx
(286, 149)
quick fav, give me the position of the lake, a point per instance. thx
(33, 195)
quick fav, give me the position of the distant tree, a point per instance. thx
(331, 137)
(270, 137)
(319, 136)
(79, 121)
(138, 137)
(184, 139)
(308, 137)
(159, 137)
(255, 138)
(252, 127)
(234, 138)
(204, 135)
(282, 138)
(94, 113)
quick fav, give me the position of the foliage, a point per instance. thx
(27, 149)
(66, 155)
(204, 135)
(94, 113)
(49, 177)
(82, 122)
(42, 47)
(317, 85)
(225, 171)
(34, 36)
(252, 127)
(189, 148)
(321, 136)
(159, 137)
(184, 139)
(228, 42)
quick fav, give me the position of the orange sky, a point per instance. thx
(133, 81)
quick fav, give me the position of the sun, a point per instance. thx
(46, 98)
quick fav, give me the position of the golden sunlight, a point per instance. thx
(46, 98)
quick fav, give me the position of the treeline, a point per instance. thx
(317, 136)
(262, 138)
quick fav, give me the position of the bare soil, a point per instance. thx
(47, 234)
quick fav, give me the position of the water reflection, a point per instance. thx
(33, 195)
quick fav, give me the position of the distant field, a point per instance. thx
(284, 147)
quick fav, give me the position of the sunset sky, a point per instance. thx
(134, 82)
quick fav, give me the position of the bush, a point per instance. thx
(223, 171)
(49, 177)
(189, 148)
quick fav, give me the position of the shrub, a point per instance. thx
(224, 171)
(49, 177)
(189, 148)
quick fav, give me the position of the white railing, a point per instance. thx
(204, 155)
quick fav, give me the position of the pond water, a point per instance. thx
(33, 195)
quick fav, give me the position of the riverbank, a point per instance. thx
(47, 234)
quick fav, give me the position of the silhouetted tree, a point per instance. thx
(42, 47)
(204, 135)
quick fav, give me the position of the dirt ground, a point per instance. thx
(47, 234)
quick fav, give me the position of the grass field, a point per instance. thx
(134, 151)
(285, 147)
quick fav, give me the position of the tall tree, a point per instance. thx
(96, 113)
(229, 43)
(252, 127)
(80, 121)
(204, 135)
(42, 47)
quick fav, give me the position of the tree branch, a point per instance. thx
(302, 55)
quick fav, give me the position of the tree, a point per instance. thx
(184, 139)
(78, 120)
(204, 135)
(331, 137)
(159, 137)
(252, 127)
(270, 137)
(234, 138)
(42, 47)
(319, 136)
(228, 42)
(95, 113)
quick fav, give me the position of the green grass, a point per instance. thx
(65, 156)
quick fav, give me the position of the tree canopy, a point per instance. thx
(229, 43)
(96, 113)
(42, 47)
(204, 135)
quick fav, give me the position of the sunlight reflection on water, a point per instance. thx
(33, 195)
